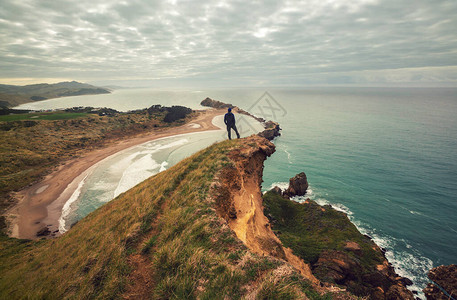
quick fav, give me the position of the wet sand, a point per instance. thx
(40, 205)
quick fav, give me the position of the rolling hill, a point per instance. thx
(13, 95)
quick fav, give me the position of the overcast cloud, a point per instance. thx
(232, 43)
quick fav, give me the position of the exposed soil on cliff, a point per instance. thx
(239, 201)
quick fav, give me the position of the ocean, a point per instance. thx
(385, 156)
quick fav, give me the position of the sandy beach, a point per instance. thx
(40, 205)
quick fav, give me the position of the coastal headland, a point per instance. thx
(201, 229)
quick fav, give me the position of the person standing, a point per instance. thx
(229, 120)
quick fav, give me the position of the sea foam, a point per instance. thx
(67, 206)
(142, 166)
(408, 263)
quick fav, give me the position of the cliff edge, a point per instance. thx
(170, 237)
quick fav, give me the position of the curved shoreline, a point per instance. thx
(41, 204)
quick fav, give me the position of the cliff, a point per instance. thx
(195, 230)
(202, 229)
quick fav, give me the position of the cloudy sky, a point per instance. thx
(229, 43)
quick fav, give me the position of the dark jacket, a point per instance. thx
(229, 119)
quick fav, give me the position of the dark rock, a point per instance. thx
(432, 292)
(396, 292)
(43, 231)
(376, 279)
(232, 212)
(446, 278)
(271, 130)
(345, 269)
(277, 190)
(335, 266)
(405, 281)
(297, 185)
(367, 236)
(377, 294)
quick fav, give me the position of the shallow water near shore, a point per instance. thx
(122, 171)
(385, 156)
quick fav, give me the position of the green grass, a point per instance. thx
(310, 229)
(42, 116)
(171, 221)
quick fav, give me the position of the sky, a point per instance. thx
(208, 43)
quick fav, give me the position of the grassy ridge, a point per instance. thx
(170, 222)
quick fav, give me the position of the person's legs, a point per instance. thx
(229, 131)
(236, 131)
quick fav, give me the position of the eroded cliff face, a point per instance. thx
(446, 278)
(238, 197)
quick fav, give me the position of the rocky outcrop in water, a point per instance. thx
(446, 278)
(297, 185)
(271, 130)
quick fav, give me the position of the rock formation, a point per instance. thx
(345, 269)
(444, 277)
(336, 251)
(297, 185)
(271, 130)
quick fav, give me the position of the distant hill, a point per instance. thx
(12, 95)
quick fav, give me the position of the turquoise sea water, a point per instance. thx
(385, 156)
(388, 157)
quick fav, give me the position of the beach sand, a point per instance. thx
(40, 205)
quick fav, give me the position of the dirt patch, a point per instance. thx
(140, 280)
